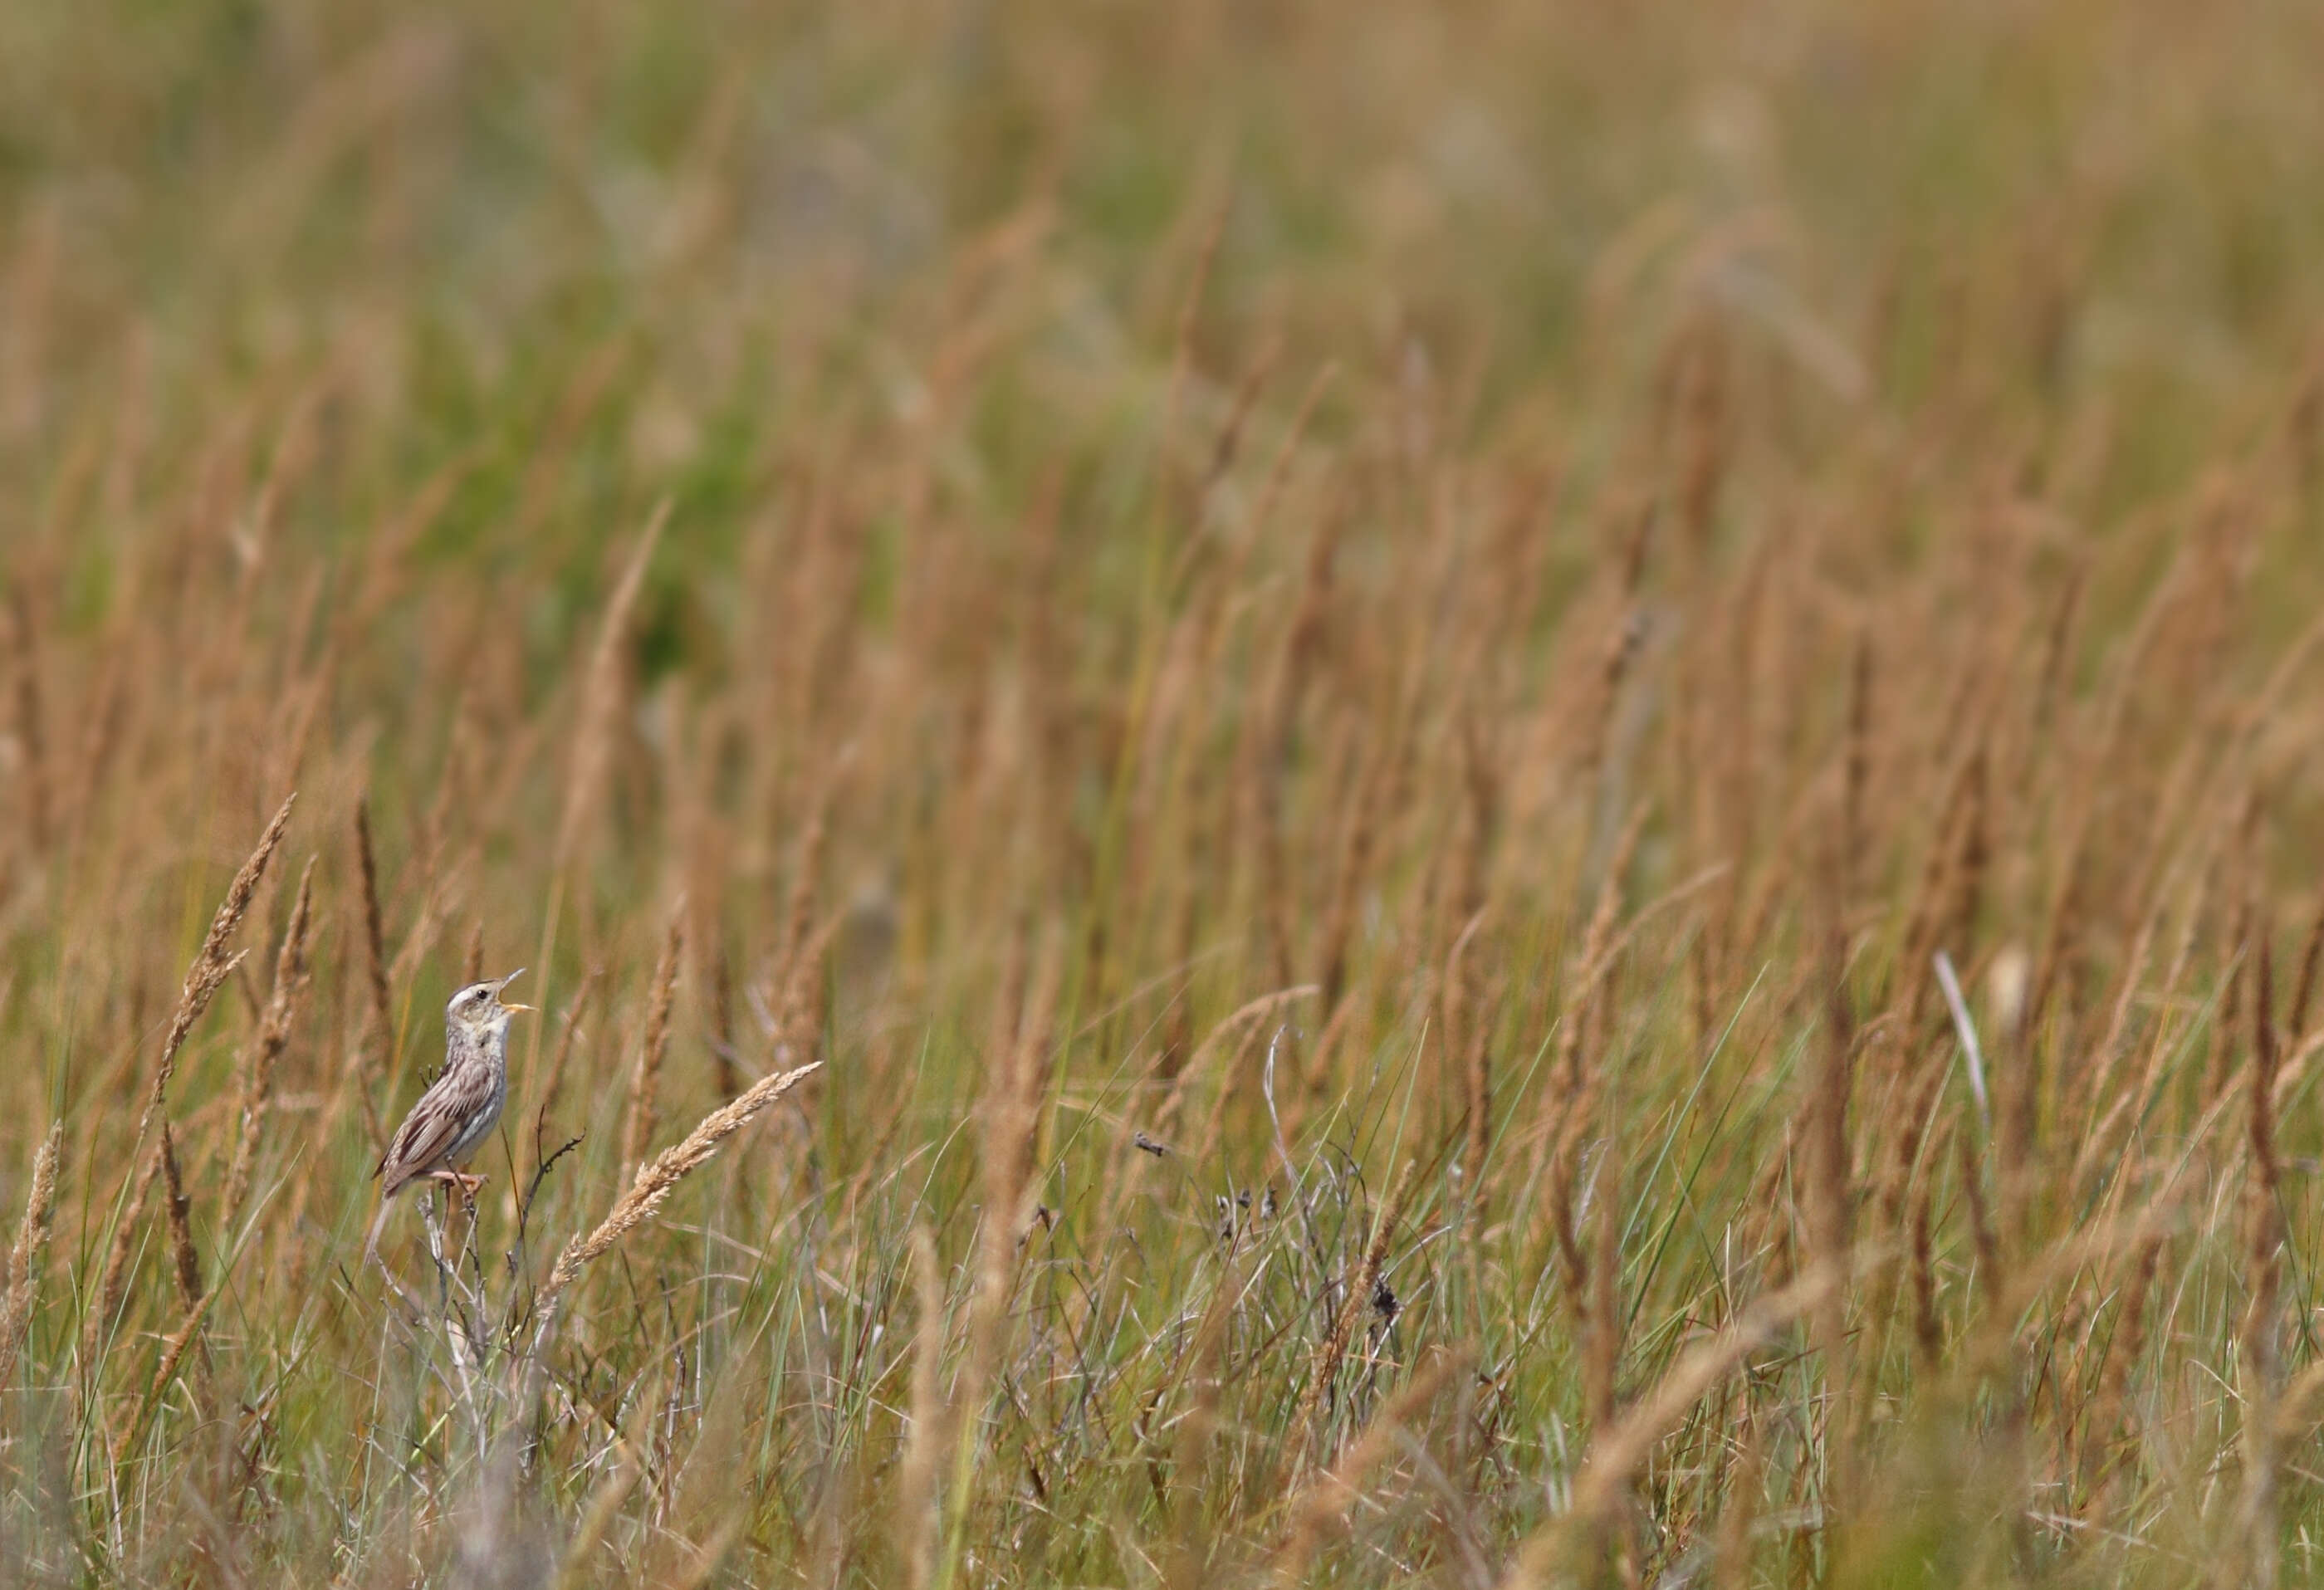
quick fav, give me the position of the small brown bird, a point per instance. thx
(458, 1112)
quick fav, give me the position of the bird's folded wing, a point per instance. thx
(431, 1127)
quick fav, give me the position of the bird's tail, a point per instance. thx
(370, 1243)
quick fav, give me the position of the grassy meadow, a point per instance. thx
(1474, 795)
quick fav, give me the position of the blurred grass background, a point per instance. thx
(686, 233)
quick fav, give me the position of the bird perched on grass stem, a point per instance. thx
(459, 1110)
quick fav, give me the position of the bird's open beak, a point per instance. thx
(510, 1004)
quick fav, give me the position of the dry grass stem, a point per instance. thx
(173, 1353)
(379, 1023)
(657, 1179)
(211, 963)
(30, 730)
(291, 975)
(1323, 1370)
(128, 1232)
(1325, 1501)
(1616, 1452)
(637, 1125)
(566, 1031)
(926, 1429)
(24, 1258)
(185, 1263)
(602, 687)
(597, 1518)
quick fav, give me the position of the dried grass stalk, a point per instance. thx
(1928, 1331)
(24, 1258)
(1576, 1071)
(102, 712)
(1325, 1367)
(186, 1264)
(1746, 1479)
(1703, 439)
(1602, 1356)
(2226, 1027)
(710, 1554)
(591, 981)
(1587, 976)
(379, 1029)
(1011, 1112)
(211, 964)
(1349, 873)
(1616, 1452)
(601, 699)
(291, 976)
(605, 1507)
(2311, 952)
(923, 1440)
(173, 1354)
(1856, 777)
(1954, 851)
(637, 1129)
(2256, 1559)
(798, 914)
(2107, 1427)
(722, 1023)
(29, 722)
(1987, 1246)
(1468, 1030)
(114, 1283)
(1326, 1499)
(1187, 1566)
(801, 958)
(1012, 1117)
(655, 1182)
(1621, 651)
(375, 929)
(1831, 1209)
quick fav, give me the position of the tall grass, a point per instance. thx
(1264, 770)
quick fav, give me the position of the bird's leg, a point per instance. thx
(459, 1192)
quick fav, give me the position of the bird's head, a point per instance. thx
(480, 1008)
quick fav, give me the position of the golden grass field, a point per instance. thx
(1262, 765)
